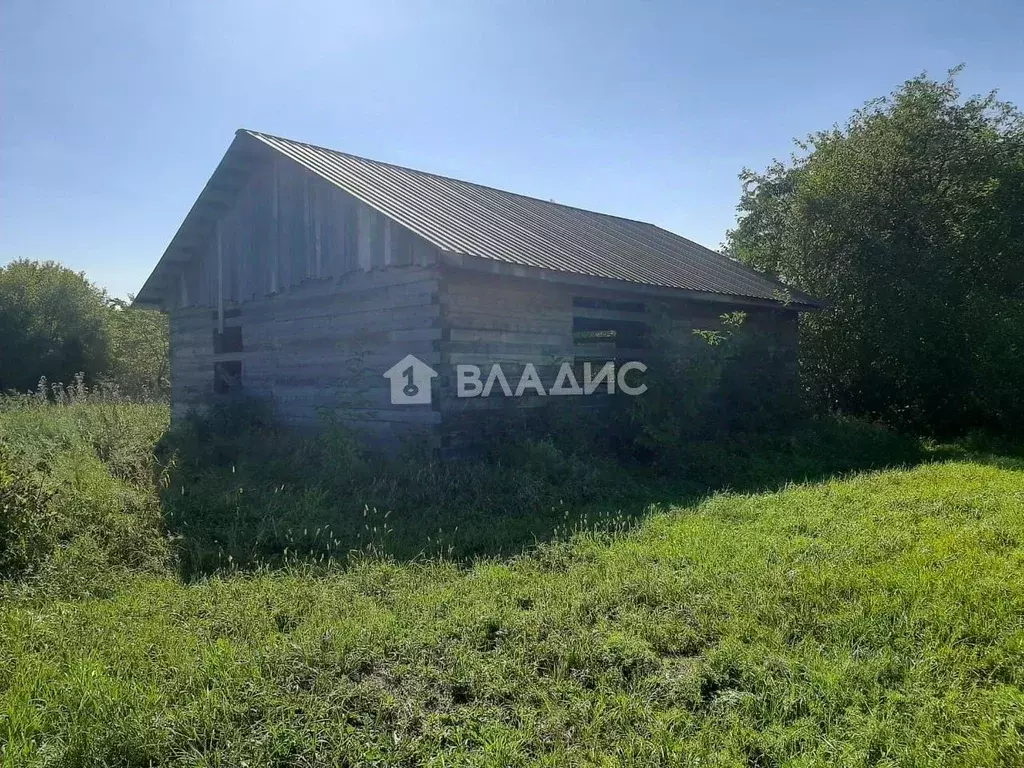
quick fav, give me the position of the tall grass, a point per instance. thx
(81, 509)
(539, 606)
(231, 490)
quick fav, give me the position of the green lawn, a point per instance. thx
(867, 619)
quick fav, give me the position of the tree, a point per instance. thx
(138, 349)
(55, 323)
(909, 221)
(52, 324)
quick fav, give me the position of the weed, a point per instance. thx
(541, 606)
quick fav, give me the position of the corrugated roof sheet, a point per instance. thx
(460, 217)
(471, 219)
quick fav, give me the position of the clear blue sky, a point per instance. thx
(114, 114)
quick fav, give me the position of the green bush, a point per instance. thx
(84, 472)
(909, 222)
(710, 384)
(25, 538)
(58, 326)
(52, 322)
(139, 344)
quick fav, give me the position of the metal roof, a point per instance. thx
(460, 217)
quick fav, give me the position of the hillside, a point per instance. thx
(858, 619)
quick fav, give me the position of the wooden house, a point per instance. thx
(304, 275)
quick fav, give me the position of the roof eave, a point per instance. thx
(481, 264)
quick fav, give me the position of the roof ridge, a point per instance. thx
(460, 181)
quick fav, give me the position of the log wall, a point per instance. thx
(319, 350)
(305, 296)
(512, 321)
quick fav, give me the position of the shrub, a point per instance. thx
(138, 339)
(81, 508)
(52, 322)
(24, 519)
(908, 221)
(710, 384)
(56, 324)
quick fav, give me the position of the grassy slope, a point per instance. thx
(877, 619)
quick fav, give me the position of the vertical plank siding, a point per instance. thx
(287, 227)
(326, 296)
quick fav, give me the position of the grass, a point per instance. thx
(871, 618)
